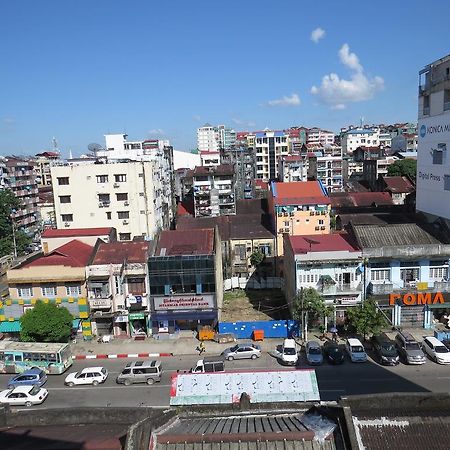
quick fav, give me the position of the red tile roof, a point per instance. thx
(260, 184)
(192, 242)
(300, 193)
(322, 243)
(292, 158)
(360, 199)
(117, 252)
(185, 208)
(73, 254)
(398, 185)
(51, 233)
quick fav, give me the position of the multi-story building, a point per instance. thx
(214, 191)
(357, 137)
(318, 136)
(128, 196)
(21, 179)
(210, 158)
(3, 173)
(298, 208)
(433, 159)
(215, 138)
(375, 167)
(329, 263)
(404, 143)
(226, 137)
(269, 146)
(327, 169)
(292, 168)
(186, 282)
(43, 162)
(118, 289)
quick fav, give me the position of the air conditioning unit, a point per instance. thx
(120, 307)
(322, 228)
(323, 213)
(317, 228)
(67, 224)
(125, 203)
(125, 222)
(116, 185)
(317, 213)
(100, 205)
(311, 213)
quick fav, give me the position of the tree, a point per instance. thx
(46, 323)
(311, 301)
(367, 318)
(403, 167)
(256, 258)
(8, 203)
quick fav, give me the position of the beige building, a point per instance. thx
(125, 195)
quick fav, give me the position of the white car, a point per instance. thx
(23, 395)
(89, 375)
(355, 350)
(289, 353)
(436, 350)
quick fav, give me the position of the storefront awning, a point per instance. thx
(179, 315)
(76, 324)
(10, 327)
(445, 305)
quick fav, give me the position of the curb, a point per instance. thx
(123, 355)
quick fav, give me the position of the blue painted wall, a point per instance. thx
(272, 329)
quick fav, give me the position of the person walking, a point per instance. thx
(201, 348)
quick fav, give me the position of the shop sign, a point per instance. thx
(122, 319)
(421, 298)
(184, 302)
(135, 316)
(100, 302)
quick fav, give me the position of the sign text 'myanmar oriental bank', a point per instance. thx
(175, 302)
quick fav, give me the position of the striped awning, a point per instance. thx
(10, 327)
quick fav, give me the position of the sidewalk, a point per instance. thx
(152, 348)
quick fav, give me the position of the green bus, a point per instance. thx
(16, 357)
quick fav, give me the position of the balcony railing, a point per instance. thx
(336, 289)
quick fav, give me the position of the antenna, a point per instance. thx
(94, 148)
(55, 144)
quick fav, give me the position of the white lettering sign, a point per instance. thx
(184, 302)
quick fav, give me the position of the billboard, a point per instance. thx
(433, 166)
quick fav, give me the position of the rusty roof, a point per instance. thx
(117, 252)
(72, 232)
(398, 185)
(222, 169)
(360, 199)
(183, 243)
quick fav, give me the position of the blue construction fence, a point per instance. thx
(271, 328)
(442, 335)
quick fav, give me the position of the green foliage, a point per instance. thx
(311, 301)
(403, 167)
(367, 318)
(256, 258)
(46, 323)
(8, 202)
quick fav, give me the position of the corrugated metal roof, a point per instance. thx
(117, 252)
(77, 232)
(192, 242)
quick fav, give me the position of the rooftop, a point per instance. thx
(398, 185)
(73, 232)
(322, 243)
(299, 192)
(181, 243)
(360, 199)
(222, 169)
(118, 252)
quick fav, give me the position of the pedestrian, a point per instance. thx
(201, 348)
(335, 336)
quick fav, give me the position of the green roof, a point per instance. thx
(10, 327)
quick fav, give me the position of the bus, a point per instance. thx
(16, 357)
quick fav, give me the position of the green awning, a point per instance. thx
(445, 305)
(10, 327)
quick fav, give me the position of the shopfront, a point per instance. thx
(137, 322)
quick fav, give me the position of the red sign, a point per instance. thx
(421, 298)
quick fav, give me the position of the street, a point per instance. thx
(334, 381)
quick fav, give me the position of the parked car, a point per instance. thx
(30, 377)
(385, 350)
(289, 353)
(333, 352)
(89, 375)
(409, 349)
(436, 350)
(140, 372)
(242, 351)
(355, 350)
(209, 364)
(23, 395)
(314, 354)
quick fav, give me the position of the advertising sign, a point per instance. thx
(433, 166)
(175, 302)
(421, 298)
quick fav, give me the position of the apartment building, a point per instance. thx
(127, 196)
(269, 146)
(43, 162)
(210, 158)
(433, 160)
(357, 137)
(292, 168)
(318, 136)
(298, 208)
(326, 168)
(214, 191)
(215, 138)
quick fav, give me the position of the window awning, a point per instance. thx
(10, 327)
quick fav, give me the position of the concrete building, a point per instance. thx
(357, 137)
(433, 160)
(215, 138)
(292, 168)
(134, 197)
(214, 191)
(269, 146)
(186, 281)
(210, 158)
(43, 162)
(328, 169)
(318, 136)
(397, 187)
(404, 143)
(298, 208)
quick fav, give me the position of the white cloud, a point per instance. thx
(337, 92)
(293, 100)
(243, 122)
(157, 131)
(317, 34)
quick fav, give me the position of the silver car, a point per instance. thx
(314, 354)
(242, 351)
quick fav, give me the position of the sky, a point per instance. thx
(79, 69)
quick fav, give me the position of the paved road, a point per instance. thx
(334, 381)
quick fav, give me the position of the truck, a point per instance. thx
(209, 364)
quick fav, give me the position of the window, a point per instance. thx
(25, 291)
(63, 181)
(108, 215)
(123, 214)
(122, 197)
(380, 275)
(320, 221)
(439, 154)
(103, 198)
(64, 199)
(438, 273)
(120, 178)
(67, 217)
(117, 285)
(410, 274)
(265, 249)
(102, 178)
(446, 182)
(48, 290)
(240, 251)
(124, 236)
(73, 290)
(136, 286)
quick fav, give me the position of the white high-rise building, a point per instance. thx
(433, 159)
(359, 137)
(214, 138)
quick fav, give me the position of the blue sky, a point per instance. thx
(80, 69)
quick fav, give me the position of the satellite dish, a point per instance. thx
(94, 148)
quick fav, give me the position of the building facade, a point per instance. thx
(357, 137)
(292, 168)
(269, 146)
(318, 136)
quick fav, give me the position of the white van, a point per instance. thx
(436, 350)
(355, 350)
(289, 353)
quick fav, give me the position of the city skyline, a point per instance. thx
(80, 71)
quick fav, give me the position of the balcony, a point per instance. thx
(339, 289)
(442, 286)
(380, 288)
